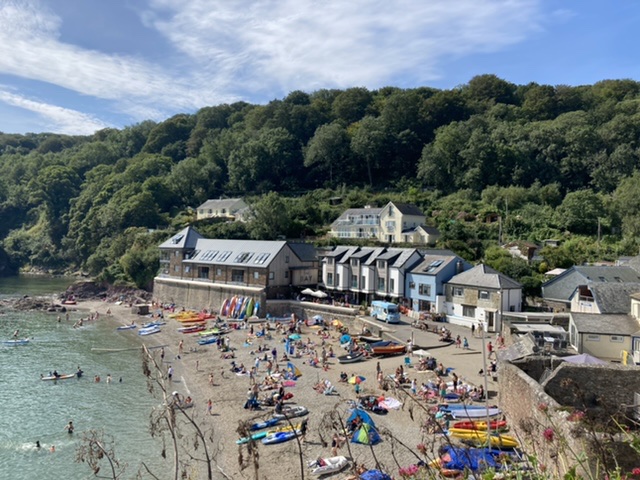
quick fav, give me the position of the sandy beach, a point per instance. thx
(400, 429)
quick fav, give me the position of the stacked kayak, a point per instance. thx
(280, 437)
(484, 438)
(481, 425)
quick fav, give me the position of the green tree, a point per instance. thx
(328, 151)
(270, 218)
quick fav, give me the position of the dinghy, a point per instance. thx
(325, 466)
(16, 342)
(292, 412)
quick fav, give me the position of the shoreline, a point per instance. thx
(229, 392)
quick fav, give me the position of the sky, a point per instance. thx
(77, 66)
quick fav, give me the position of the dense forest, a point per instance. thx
(553, 161)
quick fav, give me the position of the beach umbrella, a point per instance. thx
(337, 323)
(319, 294)
(345, 338)
(295, 336)
(356, 379)
(422, 353)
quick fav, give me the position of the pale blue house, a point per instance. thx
(425, 281)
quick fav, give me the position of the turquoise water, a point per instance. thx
(33, 285)
(39, 410)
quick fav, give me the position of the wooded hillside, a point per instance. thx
(552, 161)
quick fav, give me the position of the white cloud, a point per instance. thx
(259, 50)
(57, 119)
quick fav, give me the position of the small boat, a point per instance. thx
(292, 412)
(481, 425)
(266, 433)
(149, 330)
(352, 358)
(474, 414)
(280, 437)
(266, 424)
(66, 376)
(192, 329)
(207, 340)
(191, 320)
(325, 466)
(153, 324)
(484, 438)
(369, 339)
(16, 342)
(387, 347)
(126, 327)
(214, 331)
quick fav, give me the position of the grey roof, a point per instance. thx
(484, 276)
(429, 230)
(254, 253)
(337, 252)
(562, 286)
(405, 255)
(227, 203)
(184, 239)
(390, 255)
(375, 253)
(347, 256)
(304, 251)
(433, 264)
(408, 209)
(612, 297)
(605, 324)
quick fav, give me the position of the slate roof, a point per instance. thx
(226, 203)
(184, 239)
(562, 287)
(306, 252)
(429, 230)
(408, 209)
(613, 297)
(253, 253)
(485, 277)
(605, 324)
(433, 264)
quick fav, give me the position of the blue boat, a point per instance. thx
(16, 342)
(207, 340)
(149, 330)
(279, 437)
(127, 327)
(266, 424)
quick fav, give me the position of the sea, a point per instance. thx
(33, 411)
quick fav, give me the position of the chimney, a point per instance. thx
(459, 267)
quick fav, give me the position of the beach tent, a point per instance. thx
(293, 371)
(366, 435)
(364, 417)
(461, 458)
(374, 475)
(583, 359)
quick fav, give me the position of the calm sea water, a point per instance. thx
(32, 409)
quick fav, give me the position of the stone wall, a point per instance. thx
(531, 411)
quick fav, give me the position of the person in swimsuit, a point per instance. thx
(69, 428)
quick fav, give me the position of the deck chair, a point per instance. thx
(407, 362)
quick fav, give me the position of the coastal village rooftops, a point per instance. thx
(612, 297)
(605, 324)
(561, 287)
(485, 277)
(254, 253)
(185, 239)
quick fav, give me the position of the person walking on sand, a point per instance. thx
(473, 329)
(180, 348)
(210, 407)
(489, 349)
(211, 379)
(170, 373)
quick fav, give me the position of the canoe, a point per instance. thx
(482, 438)
(325, 466)
(474, 414)
(66, 376)
(16, 342)
(192, 329)
(266, 433)
(266, 424)
(126, 327)
(149, 330)
(232, 306)
(387, 348)
(224, 307)
(191, 320)
(249, 310)
(292, 412)
(481, 425)
(356, 357)
(279, 437)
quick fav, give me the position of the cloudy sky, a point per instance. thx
(76, 66)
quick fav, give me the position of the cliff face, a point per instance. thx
(7, 267)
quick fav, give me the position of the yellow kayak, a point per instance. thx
(481, 438)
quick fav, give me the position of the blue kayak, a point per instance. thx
(255, 436)
(279, 437)
(207, 340)
(266, 424)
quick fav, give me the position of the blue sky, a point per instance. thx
(76, 66)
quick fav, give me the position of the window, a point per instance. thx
(363, 284)
(223, 256)
(483, 295)
(329, 278)
(244, 257)
(424, 289)
(286, 259)
(593, 338)
(354, 262)
(412, 285)
(381, 284)
(392, 285)
(261, 258)
(203, 272)
(286, 274)
(381, 263)
(616, 338)
(354, 282)
(176, 268)
(391, 211)
(468, 311)
(458, 291)
(329, 261)
(256, 275)
(271, 276)
(187, 269)
(237, 276)
(219, 272)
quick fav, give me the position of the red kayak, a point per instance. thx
(469, 425)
